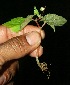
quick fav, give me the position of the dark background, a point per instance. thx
(56, 45)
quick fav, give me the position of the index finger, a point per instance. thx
(3, 34)
(6, 33)
(30, 28)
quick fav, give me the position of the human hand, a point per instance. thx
(8, 50)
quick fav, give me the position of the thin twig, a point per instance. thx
(43, 25)
(36, 21)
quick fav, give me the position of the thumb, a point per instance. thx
(19, 46)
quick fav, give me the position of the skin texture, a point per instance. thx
(17, 45)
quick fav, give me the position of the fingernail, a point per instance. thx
(33, 38)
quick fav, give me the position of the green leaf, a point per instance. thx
(54, 20)
(36, 12)
(14, 24)
(26, 21)
(18, 23)
(42, 8)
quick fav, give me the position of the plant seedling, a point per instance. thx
(52, 20)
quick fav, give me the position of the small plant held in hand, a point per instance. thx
(52, 20)
(19, 23)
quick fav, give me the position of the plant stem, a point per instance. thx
(36, 21)
(43, 25)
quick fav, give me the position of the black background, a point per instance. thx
(56, 45)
